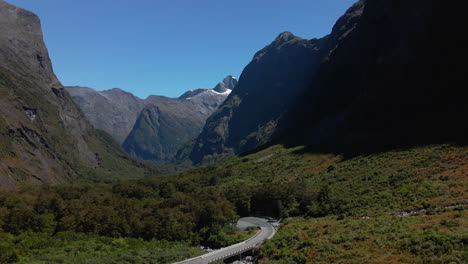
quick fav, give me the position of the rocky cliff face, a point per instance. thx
(113, 111)
(391, 80)
(266, 90)
(166, 124)
(44, 139)
(22, 43)
(227, 84)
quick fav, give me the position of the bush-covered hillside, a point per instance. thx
(438, 237)
(321, 192)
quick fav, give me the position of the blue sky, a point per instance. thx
(166, 47)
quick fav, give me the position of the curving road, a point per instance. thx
(267, 231)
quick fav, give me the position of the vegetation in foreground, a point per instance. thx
(440, 236)
(70, 247)
(324, 193)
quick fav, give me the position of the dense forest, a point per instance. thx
(195, 207)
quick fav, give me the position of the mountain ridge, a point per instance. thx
(115, 111)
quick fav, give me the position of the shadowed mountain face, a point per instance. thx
(384, 77)
(391, 81)
(44, 138)
(165, 124)
(267, 88)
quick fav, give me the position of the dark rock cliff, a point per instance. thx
(393, 80)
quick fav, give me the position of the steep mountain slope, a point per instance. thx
(390, 81)
(44, 139)
(385, 76)
(267, 88)
(165, 124)
(113, 111)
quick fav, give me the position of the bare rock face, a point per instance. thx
(192, 93)
(113, 111)
(44, 138)
(21, 40)
(227, 84)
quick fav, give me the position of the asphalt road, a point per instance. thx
(267, 231)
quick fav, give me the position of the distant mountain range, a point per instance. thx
(166, 124)
(44, 138)
(153, 128)
(113, 111)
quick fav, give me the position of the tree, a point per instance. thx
(8, 252)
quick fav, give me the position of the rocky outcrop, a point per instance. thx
(166, 124)
(44, 138)
(226, 85)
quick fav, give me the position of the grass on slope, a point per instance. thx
(402, 179)
(275, 164)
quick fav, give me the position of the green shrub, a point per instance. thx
(431, 243)
(8, 251)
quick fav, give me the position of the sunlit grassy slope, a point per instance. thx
(399, 179)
